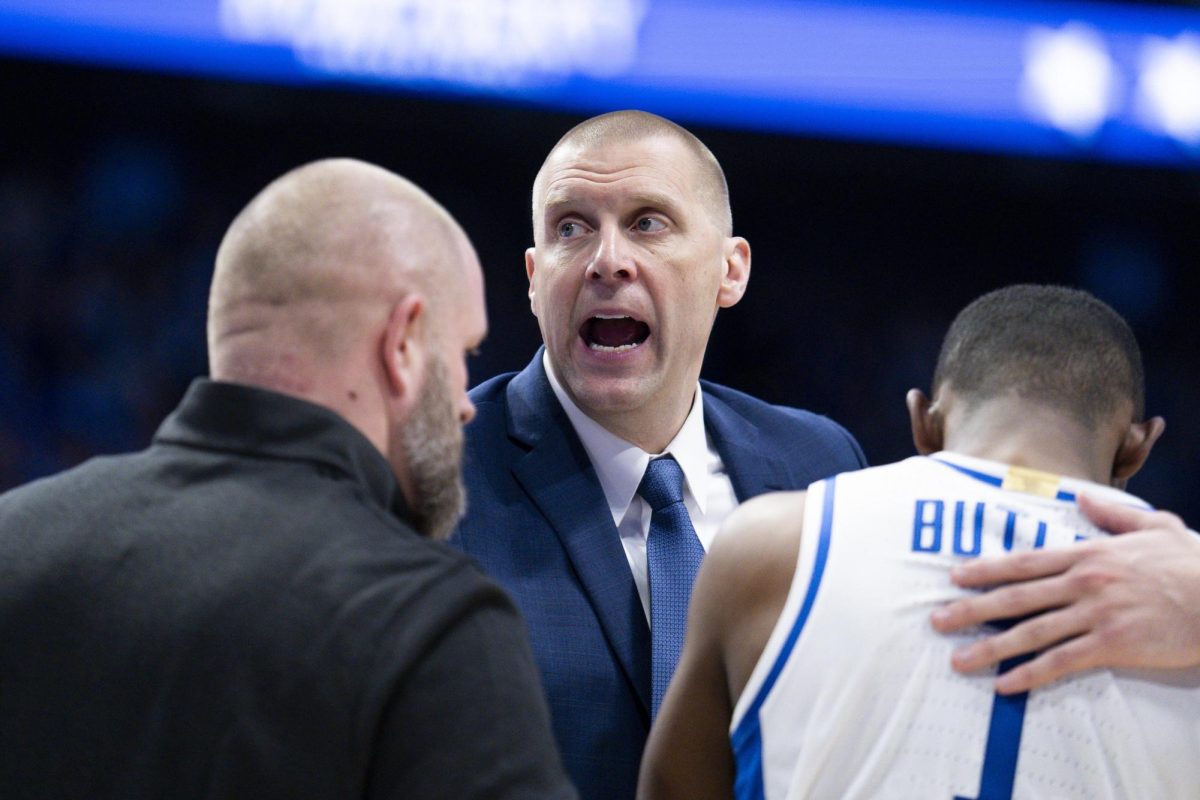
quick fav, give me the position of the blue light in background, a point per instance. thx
(1059, 79)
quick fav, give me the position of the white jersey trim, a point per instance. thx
(745, 730)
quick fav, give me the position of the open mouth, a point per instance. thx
(613, 334)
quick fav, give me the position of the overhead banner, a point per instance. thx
(1083, 80)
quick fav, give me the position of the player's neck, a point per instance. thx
(1030, 436)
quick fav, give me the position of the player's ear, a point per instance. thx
(1135, 448)
(926, 422)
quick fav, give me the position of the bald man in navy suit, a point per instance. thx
(598, 475)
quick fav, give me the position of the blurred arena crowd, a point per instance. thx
(115, 188)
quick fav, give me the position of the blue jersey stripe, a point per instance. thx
(976, 474)
(747, 737)
(995, 480)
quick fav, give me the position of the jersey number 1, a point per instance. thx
(1003, 741)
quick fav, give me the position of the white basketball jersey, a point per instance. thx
(854, 696)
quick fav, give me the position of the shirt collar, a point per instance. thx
(218, 415)
(620, 465)
(1067, 488)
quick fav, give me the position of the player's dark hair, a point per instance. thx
(1049, 344)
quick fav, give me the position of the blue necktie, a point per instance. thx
(674, 555)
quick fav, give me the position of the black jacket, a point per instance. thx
(242, 611)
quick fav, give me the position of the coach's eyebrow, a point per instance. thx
(559, 200)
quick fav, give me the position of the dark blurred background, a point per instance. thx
(116, 186)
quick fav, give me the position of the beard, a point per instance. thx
(432, 443)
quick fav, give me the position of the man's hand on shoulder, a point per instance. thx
(1128, 601)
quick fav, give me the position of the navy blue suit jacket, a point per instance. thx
(538, 523)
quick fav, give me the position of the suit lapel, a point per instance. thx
(559, 477)
(752, 468)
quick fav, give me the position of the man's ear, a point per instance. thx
(926, 420)
(1135, 448)
(404, 340)
(737, 272)
(530, 265)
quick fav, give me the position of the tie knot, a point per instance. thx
(662, 484)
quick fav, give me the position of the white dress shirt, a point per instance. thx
(707, 490)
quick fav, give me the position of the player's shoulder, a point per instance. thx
(767, 514)
(894, 479)
(750, 565)
(761, 536)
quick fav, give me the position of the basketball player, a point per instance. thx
(809, 645)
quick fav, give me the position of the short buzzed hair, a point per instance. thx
(316, 255)
(632, 126)
(1049, 344)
